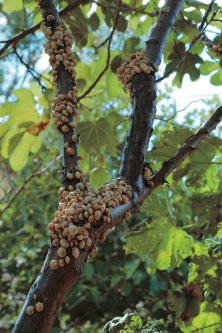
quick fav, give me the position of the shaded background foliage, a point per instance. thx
(166, 262)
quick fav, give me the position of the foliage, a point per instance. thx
(132, 323)
(166, 262)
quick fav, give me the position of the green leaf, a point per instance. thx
(188, 30)
(83, 71)
(14, 141)
(206, 321)
(6, 141)
(36, 144)
(94, 21)
(216, 78)
(11, 6)
(165, 245)
(89, 271)
(113, 86)
(115, 280)
(186, 66)
(130, 267)
(168, 143)
(152, 206)
(97, 134)
(207, 67)
(78, 26)
(131, 44)
(121, 23)
(99, 176)
(21, 111)
(19, 156)
(116, 62)
(30, 4)
(193, 15)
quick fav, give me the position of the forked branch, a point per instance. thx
(143, 98)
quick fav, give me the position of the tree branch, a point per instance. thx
(16, 39)
(160, 33)
(144, 94)
(168, 167)
(64, 78)
(209, 10)
(187, 148)
(109, 40)
(124, 7)
(201, 35)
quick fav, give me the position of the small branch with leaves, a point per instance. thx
(34, 174)
(109, 40)
(29, 31)
(30, 70)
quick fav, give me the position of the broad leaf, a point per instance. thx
(165, 245)
(97, 134)
(10, 6)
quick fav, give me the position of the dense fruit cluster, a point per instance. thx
(59, 49)
(135, 64)
(64, 107)
(147, 174)
(81, 210)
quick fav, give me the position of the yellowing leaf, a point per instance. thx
(6, 142)
(206, 321)
(20, 118)
(10, 6)
(39, 127)
(36, 144)
(18, 112)
(19, 157)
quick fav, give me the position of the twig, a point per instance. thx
(202, 328)
(107, 59)
(189, 145)
(34, 174)
(29, 68)
(193, 162)
(198, 100)
(143, 99)
(168, 167)
(174, 114)
(180, 59)
(204, 20)
(200, 35)
(15, 39)
(126, 8)
(102, 43)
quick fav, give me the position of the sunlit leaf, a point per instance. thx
(10, 6)
(166, 249)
